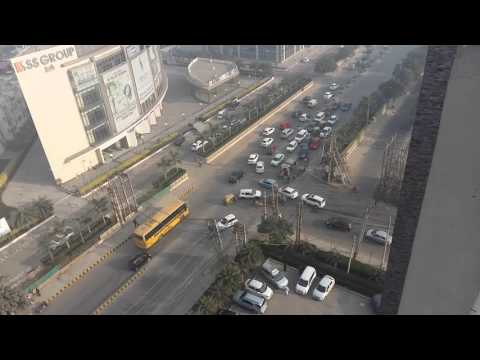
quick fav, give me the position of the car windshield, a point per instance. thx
(302, 282)
(321, 288)
(224, 221)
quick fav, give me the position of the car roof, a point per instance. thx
(252, 298)
(288, 189)
(326, 280)
(230, 217)
(246, 190)
(307, 273)
(255, 284)
(253, 155)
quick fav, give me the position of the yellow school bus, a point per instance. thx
(147, 234)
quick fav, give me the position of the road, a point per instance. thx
(181, 262)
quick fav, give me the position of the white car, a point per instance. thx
(332, 120)
(268, 131)
(292, 145)
(378, 236)
(197, 145)
(314, 200)
(305, 60)
(326, 131)
(259, 288)
(301, 135)
(250, 194)
(286, 133)
(260, 167)
(266, 142)
(306, 280)
(319, 116)
(334, 86)
(277, 159)
(227, 222)
(328, 95)
(303, 117)
(323, 288)
(253, 158)
(289, 192)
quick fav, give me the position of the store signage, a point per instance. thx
(44, 60)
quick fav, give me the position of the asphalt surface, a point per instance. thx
(179, 271)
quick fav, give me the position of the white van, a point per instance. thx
(320, 117)
(306, 280)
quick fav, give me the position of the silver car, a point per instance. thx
(250, 301)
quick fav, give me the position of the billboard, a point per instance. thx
(121, 97)
(143, 77)
(83, 76)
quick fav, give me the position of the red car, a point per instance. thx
(284, 126)
(315, 143)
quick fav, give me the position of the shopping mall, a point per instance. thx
(86, 100)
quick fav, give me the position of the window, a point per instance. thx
(90, 97)
(111, 61)
(96, 116)
(166, 221)
(98, 134)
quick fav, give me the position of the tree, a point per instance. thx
(175, 157)
(279, 229)
(326, 64)
(390, 89)
(11, 299)
(250, 256)
(43, 207)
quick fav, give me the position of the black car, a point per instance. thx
(138, 261)
(179, 141)
(235, 176)
(306, 99)
(337, 223)
(310, 128)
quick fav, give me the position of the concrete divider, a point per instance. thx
(255, 125)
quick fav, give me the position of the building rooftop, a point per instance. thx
(210, 73)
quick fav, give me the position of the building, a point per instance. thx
(434, 263)
(87, 99)
(210, 76)
(275, 54)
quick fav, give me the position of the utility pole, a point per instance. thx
(362, 234)
(299, 221)
(354, 244)
(386, 250)
(219, 236)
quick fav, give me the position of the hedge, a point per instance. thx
(101, 179)
(160, 185)
(223, 104)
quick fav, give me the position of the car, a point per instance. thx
(253, 158)
(138, 261)
(235, 176)
(259, 288)
(289, 192)
(234, 103)
(249, 194)
(305, 60)
(238, 122)
(274, 275)
(320, 116)
(315, 143)
(249, 301)
(328, 95)
(284, 125)
(312, 103)
(296, 114)
(378, 236)
(326, 132)
(323, 288)
(277, 159)
(310, 128)
(316, 130)
(301, 135)
(268, 131)
(305, 281)
(260, 167)
(267, 183)
(314, 200)
(221, 114)
(306, 99)
(199, 144)
(303, 117)
(292, 145)
(303, 153)
(345, 106)
(179, 141)
(337, 223)
(266, 142)
(333, 86)
(286, 133)
(227, 222)
(332, 120)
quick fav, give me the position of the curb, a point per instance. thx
(83, 273)
(111, 299)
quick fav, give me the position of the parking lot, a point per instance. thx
(340, 301)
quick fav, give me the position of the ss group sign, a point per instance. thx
(46, 59)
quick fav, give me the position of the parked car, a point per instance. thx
(235, 176)
(259, 288)
(303, 153)
(310, 128)
(260, 167)
(320, 116)
(234, 103)
(274, 275)
(315, 143)
(268, 131)
(305, 60)
(292, 145)
(326, 132)
(249, 194)
(378, 236)
(305, 281)
(328, 95)
(345, 106)
(266, 142)
(312, 103)
(286, 133)
(277, 159)
(138, 261)
(284, 125)
(296, 114)
(338, 223)
(323, 288)
(179, 140)
(289, 192)
(314, 200)
(303, 117)
(333, 86)
(267, 183)
(251, 302)
(227, 222)
(332, 120)
(253, 158)
(301, 135)
(226, 312)
(199, 144)
(221, 114)
(306, 99)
